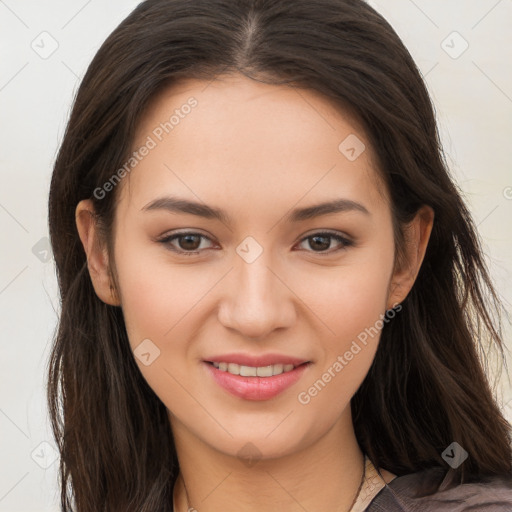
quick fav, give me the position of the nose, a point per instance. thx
(257, 300)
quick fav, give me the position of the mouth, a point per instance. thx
(255, 382)
(254, 371)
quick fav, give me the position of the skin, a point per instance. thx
(256, 151)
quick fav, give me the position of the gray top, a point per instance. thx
(408, 493)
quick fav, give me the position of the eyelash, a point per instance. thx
(166, 240)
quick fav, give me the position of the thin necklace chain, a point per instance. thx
(350, 508)
(360, 485)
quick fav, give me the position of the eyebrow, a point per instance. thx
(179, 205)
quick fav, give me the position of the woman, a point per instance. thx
(273, 295)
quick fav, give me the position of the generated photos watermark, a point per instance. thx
(151, 142)
(305, 397)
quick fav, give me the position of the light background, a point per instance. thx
(472, 91)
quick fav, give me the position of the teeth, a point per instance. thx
(253, 371)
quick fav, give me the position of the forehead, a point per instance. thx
(233, 100)
(236, 136)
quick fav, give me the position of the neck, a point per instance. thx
(323, 476)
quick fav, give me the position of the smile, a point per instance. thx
(255, 382)
(254, 371)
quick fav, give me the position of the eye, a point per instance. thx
(188, 243)
(322, 242)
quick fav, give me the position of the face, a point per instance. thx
(221, 257)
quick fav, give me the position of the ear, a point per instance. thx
(416, 237)
(97, 256)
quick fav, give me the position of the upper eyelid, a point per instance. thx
(307, 235)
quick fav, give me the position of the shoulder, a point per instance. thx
(424, 492)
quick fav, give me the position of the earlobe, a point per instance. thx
(97, 257)
(417, 236)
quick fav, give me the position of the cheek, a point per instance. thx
(157, 299)
(161, 308)
(351, 297)
(351, 304)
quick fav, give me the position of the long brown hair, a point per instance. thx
(427, 386)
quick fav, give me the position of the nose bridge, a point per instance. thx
(258, 301)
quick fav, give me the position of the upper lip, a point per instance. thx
(260, 360)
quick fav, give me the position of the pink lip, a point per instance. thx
(255, 388)
(262, 360)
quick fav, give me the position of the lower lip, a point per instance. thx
(256, 388)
